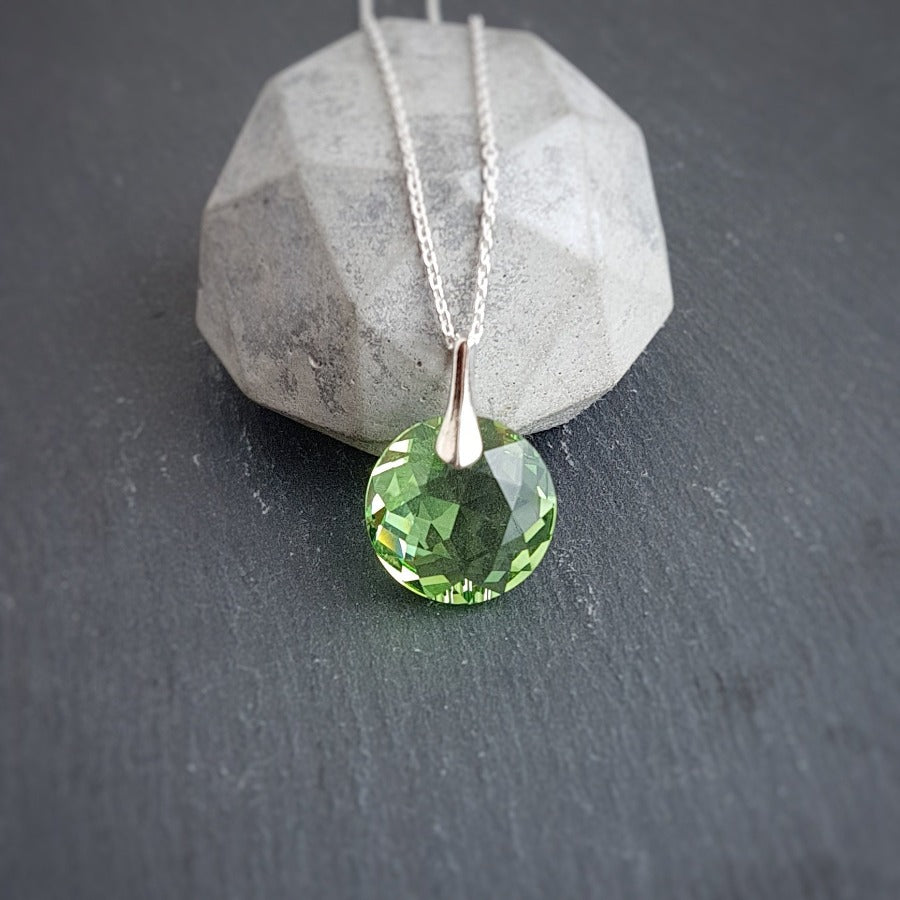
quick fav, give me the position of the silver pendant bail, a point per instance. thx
(459, 441)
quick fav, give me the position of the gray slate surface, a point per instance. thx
(208, 688)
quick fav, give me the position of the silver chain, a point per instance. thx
(489, 175)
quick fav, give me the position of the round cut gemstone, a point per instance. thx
(460, 535)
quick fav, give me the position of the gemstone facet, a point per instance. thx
(460, 535)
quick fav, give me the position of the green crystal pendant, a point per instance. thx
(460, 535)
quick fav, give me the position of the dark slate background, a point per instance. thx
(208, 687)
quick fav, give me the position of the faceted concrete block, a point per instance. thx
(312, 292)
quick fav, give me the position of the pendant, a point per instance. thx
(460, 508)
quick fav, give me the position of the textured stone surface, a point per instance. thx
(311, 290)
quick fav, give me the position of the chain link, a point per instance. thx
(489, 176)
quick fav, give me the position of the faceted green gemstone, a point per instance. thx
(460, 535)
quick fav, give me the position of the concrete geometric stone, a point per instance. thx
(312, 292)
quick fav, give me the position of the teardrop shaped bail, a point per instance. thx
(459, 441)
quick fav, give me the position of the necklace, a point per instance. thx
(459, 508)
